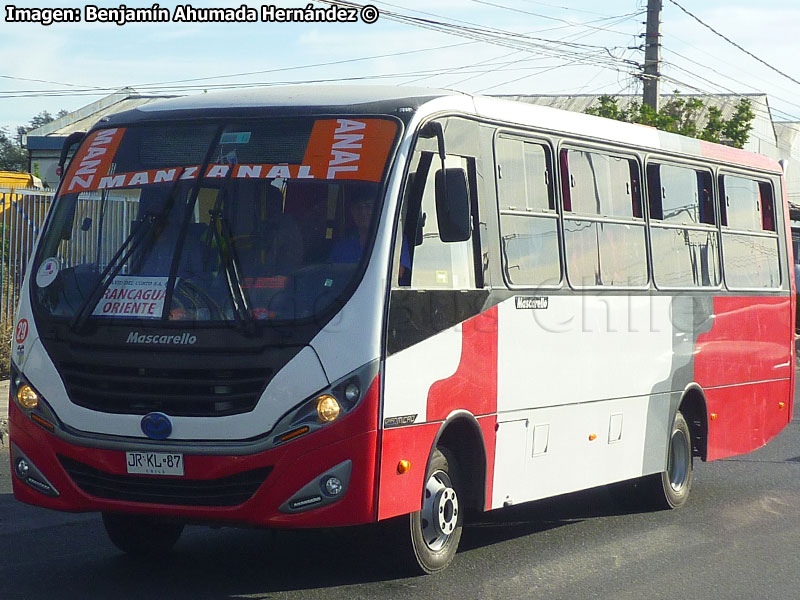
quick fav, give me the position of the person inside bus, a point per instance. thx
(273, 245)
(348, 249)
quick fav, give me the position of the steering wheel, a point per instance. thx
(191, 297)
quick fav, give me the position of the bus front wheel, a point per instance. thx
(429, 537)
(141, 536)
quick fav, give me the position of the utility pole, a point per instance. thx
(652, 54)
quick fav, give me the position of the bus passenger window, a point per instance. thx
(528, 219)
(749, 240)
(684, 240)
(603, 184)
(742, 199)
(604, 233)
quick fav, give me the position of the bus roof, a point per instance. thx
(402, 101)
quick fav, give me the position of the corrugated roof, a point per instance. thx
(84, 118)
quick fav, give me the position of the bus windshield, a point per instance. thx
(213, 222)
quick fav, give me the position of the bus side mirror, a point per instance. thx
(452, 205)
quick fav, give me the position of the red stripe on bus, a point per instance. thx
(740, 157)
(747, 343)
(473, 387)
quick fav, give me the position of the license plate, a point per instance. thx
(154, 463)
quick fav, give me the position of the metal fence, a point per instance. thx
(101, 221)
(22, 214)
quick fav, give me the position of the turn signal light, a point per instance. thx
(294, 433)
(781, 405)
(404, 466)
(26, 397)
(592, 437)
(43, 422)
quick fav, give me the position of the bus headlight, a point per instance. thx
(328, 408)
(30, 402)
(27, 398)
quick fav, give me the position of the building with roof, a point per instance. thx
(44, 143)
(789, 147)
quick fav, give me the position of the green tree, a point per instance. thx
(12, 156)
(43, 118)
(681, 115)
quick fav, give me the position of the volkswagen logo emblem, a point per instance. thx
(156, 426)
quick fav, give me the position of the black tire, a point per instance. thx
(669, 489)
(141, 536)
(428, 539)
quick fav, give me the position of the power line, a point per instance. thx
(160, 84)
(583, 53)
(308, 66)
(726, 77)
(36, 80)
(491, 87)
(569, 23)
(502, 66)
(730, 41)
(573, 37)
(588, 12)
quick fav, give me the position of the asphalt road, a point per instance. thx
(738, 538)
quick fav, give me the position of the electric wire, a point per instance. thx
(734, 44)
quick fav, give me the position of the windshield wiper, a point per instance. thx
(224, 241)
(114, 266)
(120, 258)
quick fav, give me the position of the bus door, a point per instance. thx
(439, 344)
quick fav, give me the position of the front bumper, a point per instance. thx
(286, 469)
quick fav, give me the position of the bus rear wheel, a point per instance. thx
(671, 488)
(430, 536)
(665, 490)
(141, 536)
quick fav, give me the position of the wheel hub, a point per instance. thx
(446, 506)
(439, 511)
(679, 459)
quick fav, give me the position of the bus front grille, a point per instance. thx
(206, 392)
(226, 491)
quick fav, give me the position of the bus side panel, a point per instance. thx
(748, 416)
(748, 350)
(587, 388)
(401, 493)
(427, 383)
(549, 451)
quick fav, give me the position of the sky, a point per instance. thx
(487, 46)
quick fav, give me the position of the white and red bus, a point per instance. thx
(322, 307)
